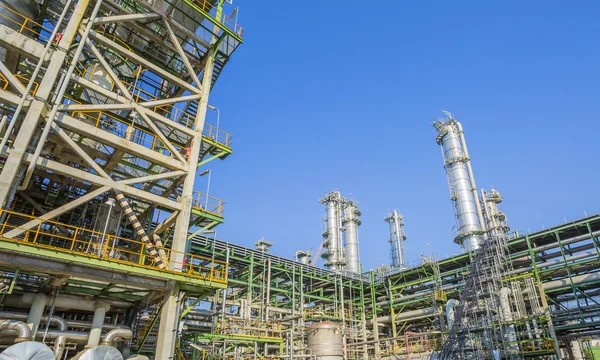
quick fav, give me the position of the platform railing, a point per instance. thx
(60, 237)
(23, 25)
(207, 203)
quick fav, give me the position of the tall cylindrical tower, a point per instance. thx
(351, 223)
(495, 218)
(334, 252)
(398, 260)
(463, 191)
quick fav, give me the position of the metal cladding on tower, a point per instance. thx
(397, 238)
(463, 191)
(341, 236)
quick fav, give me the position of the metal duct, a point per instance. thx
(23, 331)
(117, 334)
(397, 238)
(100, 352)
(351, 222)
(28, 350)
(334, 258)
(462, 189)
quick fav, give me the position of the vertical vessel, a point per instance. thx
(463, 191)
(351, 223)
(332, 237)
(397, 238)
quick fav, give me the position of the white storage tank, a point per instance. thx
(325, 340)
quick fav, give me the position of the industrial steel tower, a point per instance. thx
(463, 191)
(397, 238)
(104, 106)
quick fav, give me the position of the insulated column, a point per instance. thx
(397, 238)
(351, 223)
(463, 192)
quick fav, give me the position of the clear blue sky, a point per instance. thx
(340, 95)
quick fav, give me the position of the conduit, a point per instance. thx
(23, 331)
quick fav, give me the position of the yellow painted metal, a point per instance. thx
(93, 244)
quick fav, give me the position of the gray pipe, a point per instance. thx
(62, 302)
(23, 331)
(450, 305)
(117, 335)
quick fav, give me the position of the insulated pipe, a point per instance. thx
(450, 305)
(546, 264)
(22, 329)
(62, 302)
(409, 315)
(507, 316)
(73, 336)
(99, 314)
(579, 279)
(35, 313)
(576, 350)
(116, 334)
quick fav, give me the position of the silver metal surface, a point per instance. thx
(461, 184)
(28, 350)
(23, 331)
(334, 256)
(397, 238)
(325, 341)
(351, 222)
(101, 352)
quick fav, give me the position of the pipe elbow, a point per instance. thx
(23, 331)
(117, 335)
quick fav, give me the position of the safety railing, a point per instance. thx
(169, 111)
(23, 25)
(208, 203)
(22, 79)
(209, 7)
(49, 234)
(244, 327)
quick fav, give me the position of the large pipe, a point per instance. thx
(397, 238)
(461, 182)
(450, 306)
(99, 314)
(405, 316)
(577, 280)
(62, 302)
(351, 223)
(22, 329)
(80, 337)
(36, 311)
(116, 335)
(506, 315)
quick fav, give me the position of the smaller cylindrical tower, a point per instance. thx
(397, 238)
(463, 191)
(351, 223)
(325, 341)
(495, 219)
(303, 257)
(334, 252)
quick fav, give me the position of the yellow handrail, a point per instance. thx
(94, 244)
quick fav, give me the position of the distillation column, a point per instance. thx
(333, 255)
(397, 238)
(351, 223)
(463, 191)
